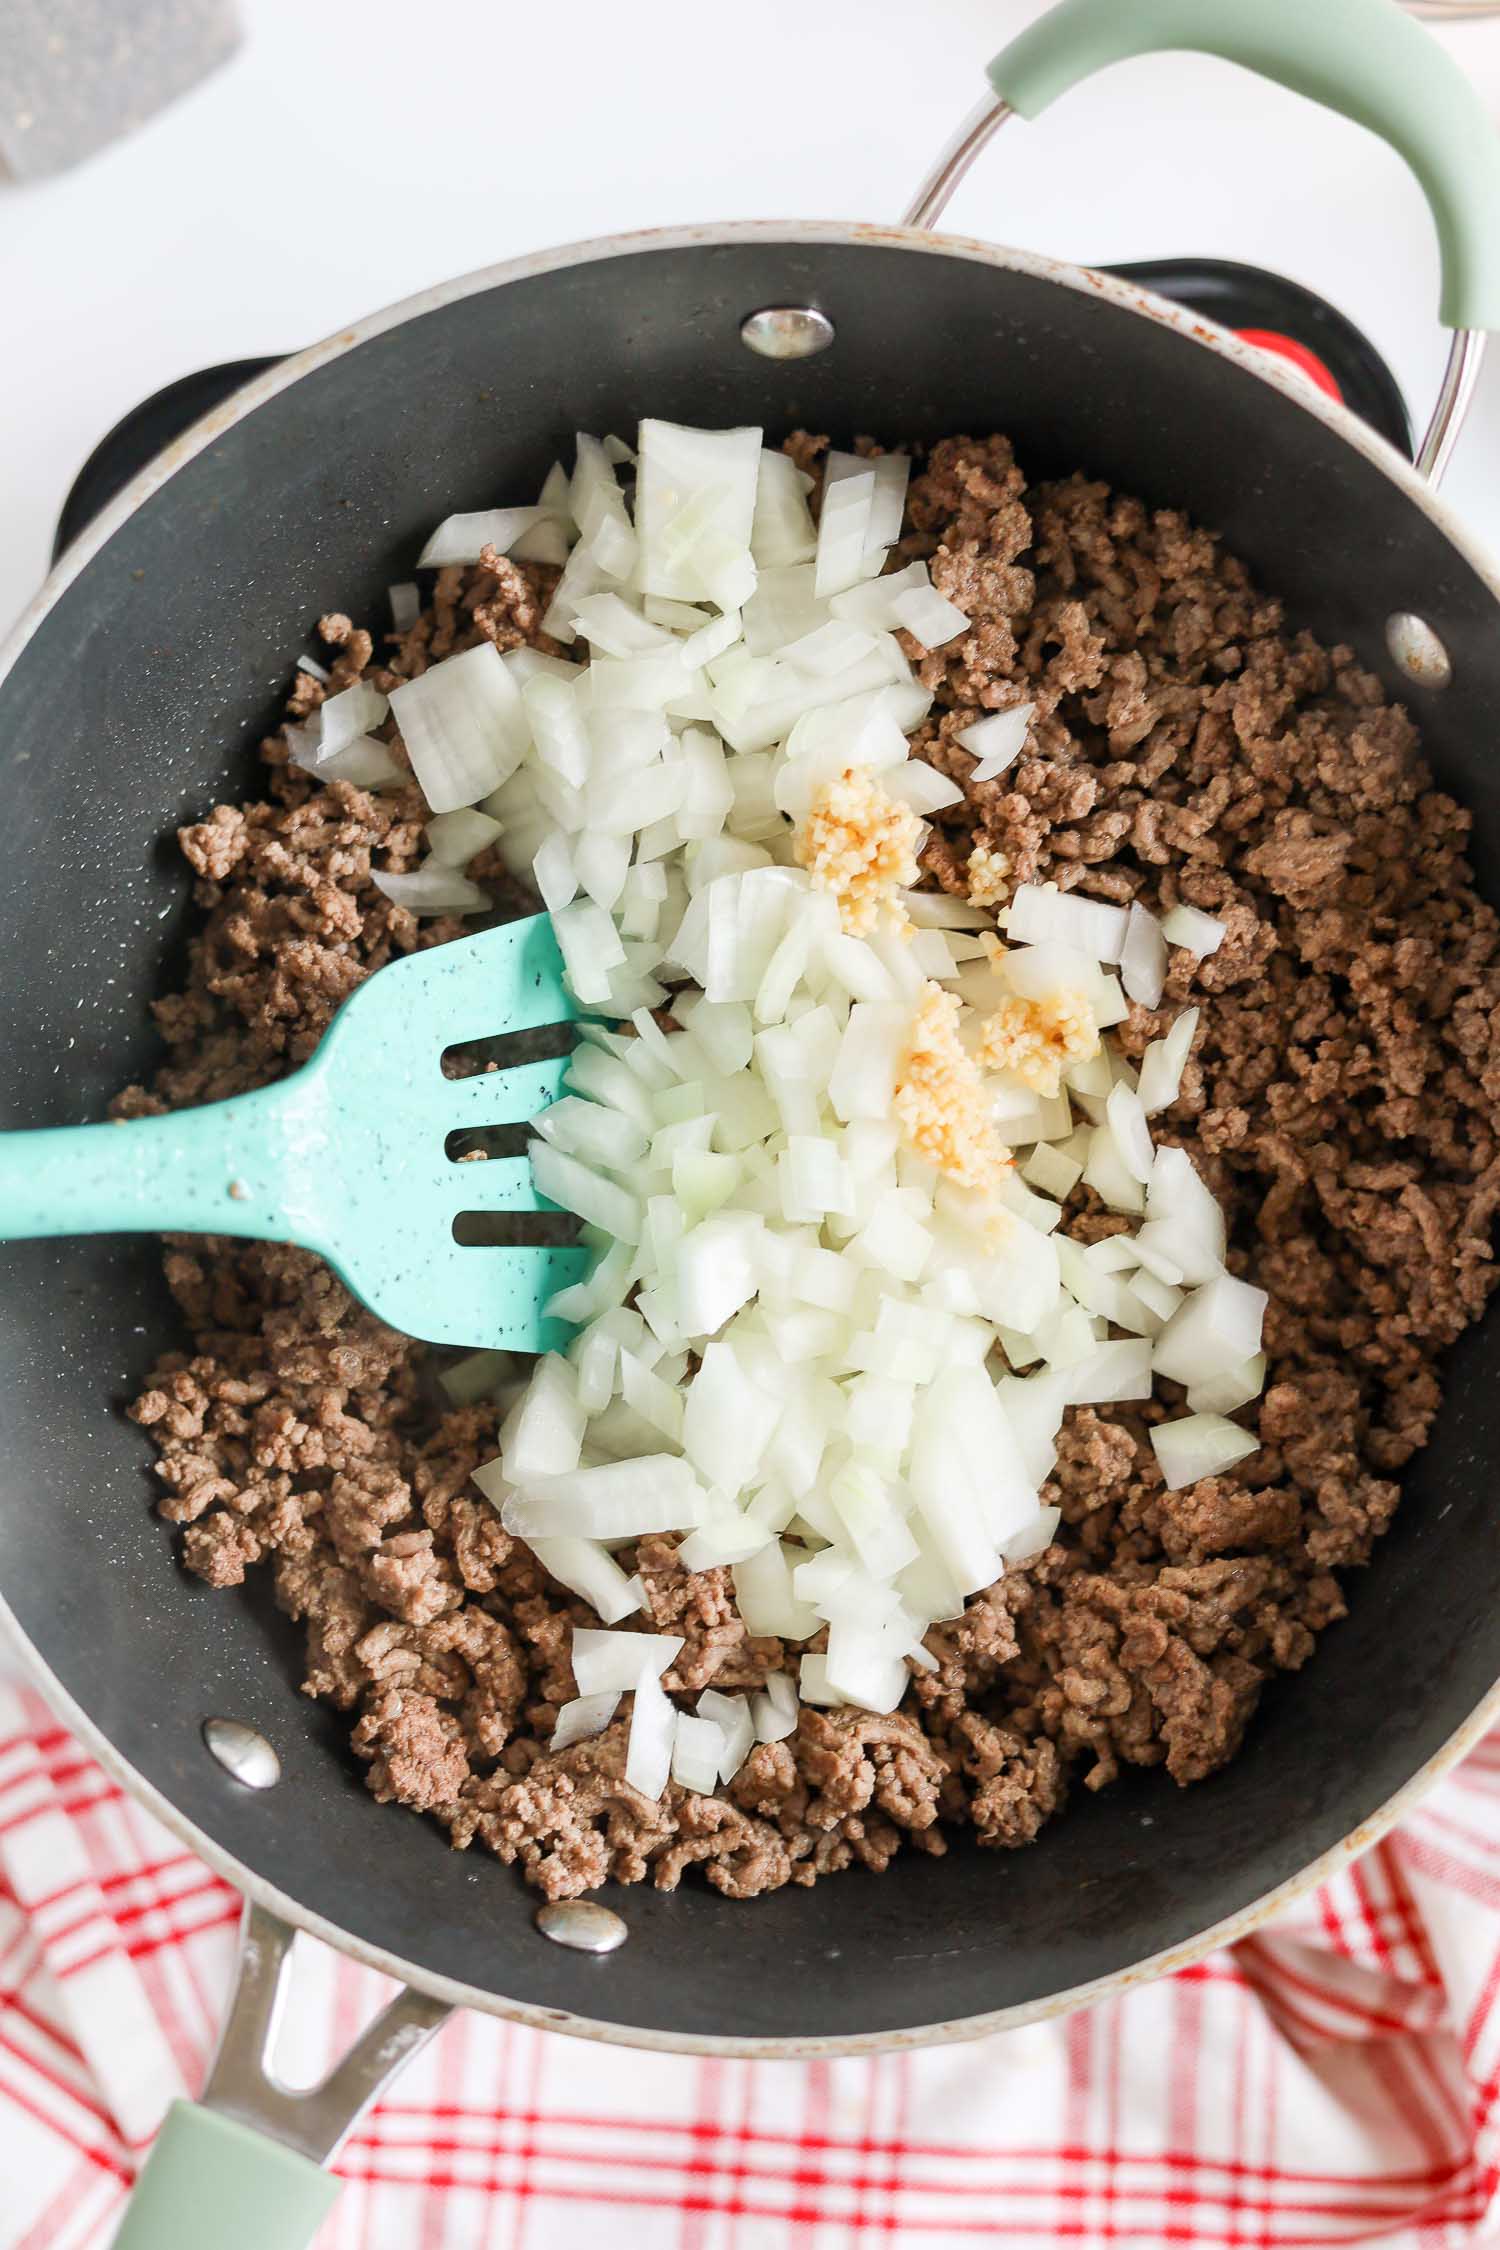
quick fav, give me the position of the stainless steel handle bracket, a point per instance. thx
(1465, 355)
(242, 2082)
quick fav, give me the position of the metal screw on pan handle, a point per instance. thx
(1464, 356)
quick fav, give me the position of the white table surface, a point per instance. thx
(340, 162)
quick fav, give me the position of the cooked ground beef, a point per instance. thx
(1342, 1101)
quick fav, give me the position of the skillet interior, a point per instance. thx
(137, 702)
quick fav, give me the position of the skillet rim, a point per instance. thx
(1127, 296)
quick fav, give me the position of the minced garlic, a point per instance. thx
(940, 1104)
(860, 844)
(988, 875)
(1039, 1039)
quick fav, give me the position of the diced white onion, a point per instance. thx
(1143, 957)
(1200, 1445)
(464, 727)
(615, 1500)
(1042, 914)
(653, 1731)
(454, 838)
(785, 1351)
(583, 1718)
(458, 539)
(775, 1708)
(1163, 1063)
(1197, 933)
(432, 889)
(928, 617)
(1216, 1329)
(611, 1663)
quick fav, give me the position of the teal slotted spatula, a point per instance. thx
(346, 1156)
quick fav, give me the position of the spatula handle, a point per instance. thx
(250, 1166)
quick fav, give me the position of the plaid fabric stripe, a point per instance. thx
(1333, 2080)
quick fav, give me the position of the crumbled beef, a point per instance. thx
(1342, 1101)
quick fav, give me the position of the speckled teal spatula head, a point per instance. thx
(348, 1156)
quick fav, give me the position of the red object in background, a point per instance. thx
(1287, 347)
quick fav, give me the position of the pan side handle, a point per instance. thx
(1365, 59)
(209, 2179)
(243, 2168)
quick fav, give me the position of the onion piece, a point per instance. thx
(1126, 1121)
(454, 838)
(996, 741)
(1216, 1329)
(698, 1750)
(597, 506)
(775, 1708)
(1029, 1545)
(888, 506)
(458, 539)
(734, 1719)
(1042, 914)
(406, 604)
(590, 949)
(814, 1685)
(1111, 1372)
(694, 507)
(1195, 932)
(608, 622)
(615, 1500)
(1192, 1223)
(363, 761)
(474, 1377)
(464, 727)
(1236, 1387)
(1048, 1170)
(582, 1719)
(829, 648)
(1163, 1063)
(929, 617)
(605, 1663)
(1198, 1446)
(764, 1597)
(782, 530)
(1143, 957)
(653, 1730)
(844, 551)
(1107, 1173)
(919, 785)
(432, 889)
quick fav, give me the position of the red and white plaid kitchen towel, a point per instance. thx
(1335, 2080)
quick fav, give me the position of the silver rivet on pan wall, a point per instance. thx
(242, 1752)
(581, 1925)
(1416, 650)
(787, 332)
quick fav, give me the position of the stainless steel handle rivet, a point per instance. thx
(1416, 650)
(242, 1752)
(582, 1925)
(787, 332)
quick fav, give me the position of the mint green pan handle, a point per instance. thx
(244, 2168)
(212, 2181)
(1366, 59)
